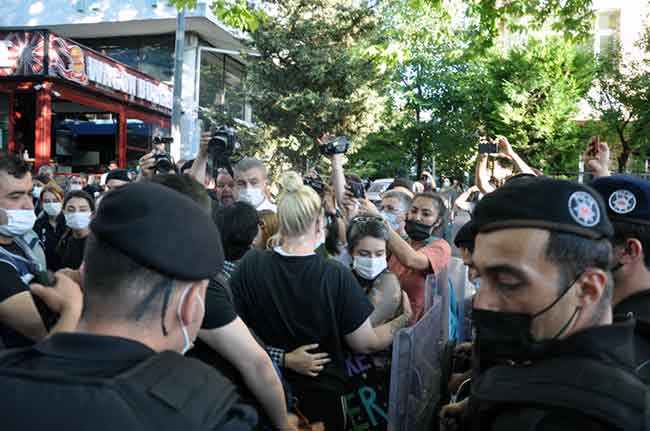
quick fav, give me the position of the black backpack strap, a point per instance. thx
(609, 394)
(188, 386)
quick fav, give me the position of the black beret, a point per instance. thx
(118, 174)
(627, 198)
(465, 236)
(544, 203)
(160, 229)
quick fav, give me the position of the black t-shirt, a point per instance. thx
(49, 237)
(219, 308)
(73, 252)
(290, 301)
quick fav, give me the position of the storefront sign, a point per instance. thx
(118, 78)
(67, 60)
(22, 54)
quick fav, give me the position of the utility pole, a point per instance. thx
(177, 109)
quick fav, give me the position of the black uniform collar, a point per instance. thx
(93, 347)
(637, 304)
(609, 343)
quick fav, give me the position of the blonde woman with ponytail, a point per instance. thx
(290, 297)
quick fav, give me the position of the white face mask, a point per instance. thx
(52, 209)
(252, 195)
(75, 187)
(391, 218)
(187, 343)
(78, 220)
(369, 267)
(19, 222)
(36, 192)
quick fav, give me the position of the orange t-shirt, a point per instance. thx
(412, 281)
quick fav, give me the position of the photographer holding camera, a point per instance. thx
(158, 161)
(218, 145)
(505, 163)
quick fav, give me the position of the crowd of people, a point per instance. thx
(197, 299)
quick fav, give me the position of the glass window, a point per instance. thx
(222, 84)
(609, 20)
(608, 29)
(153, 55)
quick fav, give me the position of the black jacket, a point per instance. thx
(638, 305)
(82, 382)
(584, 382)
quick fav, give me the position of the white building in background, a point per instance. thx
(141, 34)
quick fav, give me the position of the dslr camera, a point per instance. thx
(221, 146)
(315, 183)
(338, 145)
(223, 142)
(163, 160)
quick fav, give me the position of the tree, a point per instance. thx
(238, 14)
(622, 99)
(572, 18)
(312, 77)
(449, 80)
(533, 94)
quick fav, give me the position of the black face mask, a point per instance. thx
(503, 337)
(418, 231)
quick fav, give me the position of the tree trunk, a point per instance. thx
(419, 151)
(625, 154)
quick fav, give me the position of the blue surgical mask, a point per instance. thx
(391, 218)
(19, 222)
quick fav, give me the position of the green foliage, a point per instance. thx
(572, 18)
(312, 77)
(533, 99)
(443, 90)
(623, 101)
(234, 13)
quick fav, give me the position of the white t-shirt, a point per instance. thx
(267, 205)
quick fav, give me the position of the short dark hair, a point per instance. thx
(641, 232)
(13, 165)
(238, 226)
(573, 254)
(82, 195)
(117, 287)
(186, 185)
(362, 227)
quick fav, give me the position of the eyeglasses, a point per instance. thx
(367, 219)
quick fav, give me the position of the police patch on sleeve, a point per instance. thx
(622, 201)
(584, 209)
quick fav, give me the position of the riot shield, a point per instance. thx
(415, 372)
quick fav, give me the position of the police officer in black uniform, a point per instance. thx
(144, 285)
(628, 206)
(548, 354)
